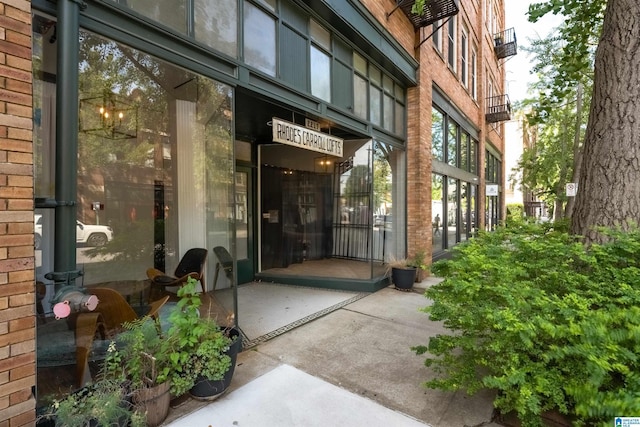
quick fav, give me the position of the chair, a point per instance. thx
(225, 263)
(107, 319)
(191, 265)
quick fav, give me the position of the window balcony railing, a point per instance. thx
(498, 109)
(433, 11)
(505, 43)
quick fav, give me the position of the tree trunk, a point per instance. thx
(577, 151)
(609, 187)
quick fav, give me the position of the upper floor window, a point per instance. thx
(259, 39)
(473, 73)
(377, 97)
(216, 25)
(451, 47)
(437, 37)
(320, 61)
(464, 56)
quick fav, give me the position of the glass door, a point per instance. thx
(244, 224)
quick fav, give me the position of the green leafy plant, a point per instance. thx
(104, 402)
(197, 343)
(543, 320)
(146, 362)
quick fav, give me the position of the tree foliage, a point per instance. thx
(543, 320)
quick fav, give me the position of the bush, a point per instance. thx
(542, 320)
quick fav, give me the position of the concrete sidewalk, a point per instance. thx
(351, 367)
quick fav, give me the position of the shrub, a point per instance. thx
(542, 320)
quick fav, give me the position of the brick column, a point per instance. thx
(17, 287)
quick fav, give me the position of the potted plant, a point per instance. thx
(147, 366)
(419, 261)
(199, 346)
(403, 272)
(103, 403)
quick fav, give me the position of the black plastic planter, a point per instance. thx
(205, 389)
(403, 278)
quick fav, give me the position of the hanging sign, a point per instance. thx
(299, 136)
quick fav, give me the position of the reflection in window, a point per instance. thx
(165, 182)
(259, 39)
(320, 74)
(452, 143)
(216, 24)
(375, 105)
(437, 135)
(437, 211)
(452, 212)
(464, 213)
(360, 95)
(171, 13)
(464, 151)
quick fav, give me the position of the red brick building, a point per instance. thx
(403, 113)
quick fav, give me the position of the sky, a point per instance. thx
(519, 66)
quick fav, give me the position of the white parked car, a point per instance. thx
(90, 235)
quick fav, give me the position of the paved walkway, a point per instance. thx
(351, 367)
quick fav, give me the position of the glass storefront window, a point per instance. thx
(452, 212)
(452, 143)
(437, 135)
(155, 178)
(437, 211)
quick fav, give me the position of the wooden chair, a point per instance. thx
(191, 265)
(107, 319)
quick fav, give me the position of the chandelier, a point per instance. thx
(109, 115)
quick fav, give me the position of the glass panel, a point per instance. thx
(388, 202)
(359, 63)
(320, 35)
(269, 4)
(437, 135)
(216, 24)
(473, 156)
(399, 119)
(375, 107)
(437, 211)
(399, 93)
(388, 113)
(464, 211)
(259, 39)
(473, 208)
(452, 143)
(320, 74)
(172, 13)
(464, 151)
(242, 216)
(360, 96)
(375, 75)
(155, 177)
(387, 84)
(452, 212)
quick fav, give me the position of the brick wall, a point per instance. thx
(17, 298)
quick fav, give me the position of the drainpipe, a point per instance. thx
(66, 144)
